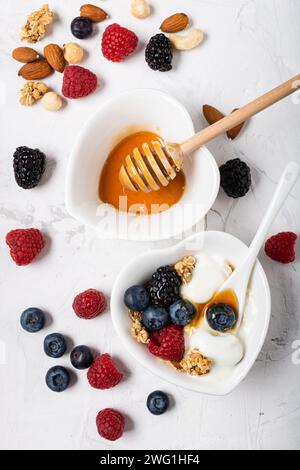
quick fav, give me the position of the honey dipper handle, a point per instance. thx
(241, 115)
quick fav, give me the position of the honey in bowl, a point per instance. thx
(112, 192)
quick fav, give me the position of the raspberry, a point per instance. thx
(110, 424)
(89, 304)
(25, 245)
(118, 43)
(281, 247)
(103, 373)
(168, 343)
(78, 82)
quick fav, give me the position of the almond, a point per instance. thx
(35, 70)
(175, 23)
(25, 54)
(233, 133)
(55, 57)
(95, 14)
(212, 114)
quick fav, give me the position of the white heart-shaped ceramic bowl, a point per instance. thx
(133, 111)
(252, 332)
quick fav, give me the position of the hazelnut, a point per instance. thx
(73, 53)
(52, 101)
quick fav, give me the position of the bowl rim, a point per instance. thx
(124, 337)
(72, 208)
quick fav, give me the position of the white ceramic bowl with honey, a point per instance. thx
(129, 112)
(252, 331)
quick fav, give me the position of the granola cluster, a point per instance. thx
(137, 330)
(185, 268)
(194, 363)
(32, 92)
(36, 25)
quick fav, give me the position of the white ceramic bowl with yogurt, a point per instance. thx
(222, 379)
(129, 112)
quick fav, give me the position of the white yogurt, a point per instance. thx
(211, 271)
(224, 350)
(208, 276)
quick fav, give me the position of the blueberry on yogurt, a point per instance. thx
(221, 317)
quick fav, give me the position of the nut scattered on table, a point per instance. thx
(25, 54)
(36, 70)
(93, 13)
(175, 23)
(73, 53)
(213, 115)
(52, 101)
(55, 57)
(32, 92)
(184, 43)
(36, 25)
(140, 9)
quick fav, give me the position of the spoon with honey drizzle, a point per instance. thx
(238, 281)
(152, 166)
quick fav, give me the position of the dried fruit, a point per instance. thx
(190, 41)
(233, 133)
(32, 92)
(140, 8)
(36, 70)
(73, 53)
(175, 23)
(55, 57)
(52, 101)
(25, 54)
(36, 26)
(212, 114)
(93, 13)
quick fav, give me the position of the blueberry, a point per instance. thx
(137, 298)
(155, 318)
(157, 402)
(182, 312)
(81, 27)
(32, 319)
(55, 345)
(57, 379)
(81, 357)
(221, 317)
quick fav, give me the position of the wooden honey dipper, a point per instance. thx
(151, 167)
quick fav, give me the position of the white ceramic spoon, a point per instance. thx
(239, 280)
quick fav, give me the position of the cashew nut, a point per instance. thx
(185, 43)
(140, 8)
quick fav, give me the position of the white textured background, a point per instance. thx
(251, 46)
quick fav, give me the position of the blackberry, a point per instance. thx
(235, 178)
(159, 53)
(29, 166)
(164, 286)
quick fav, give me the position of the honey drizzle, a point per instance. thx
(225, 297)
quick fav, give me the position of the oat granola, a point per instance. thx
(31, 92)
(194, 363)
(36, 25)
(139, 333)
(185, 268)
